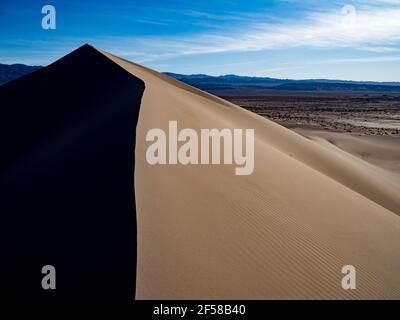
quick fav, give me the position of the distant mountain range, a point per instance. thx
(228, 84)
(10, 72)
(233, 84)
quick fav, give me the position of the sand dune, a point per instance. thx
(382, 151)
(67, 141)
(283, 232)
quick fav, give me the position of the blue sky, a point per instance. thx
(354, 40)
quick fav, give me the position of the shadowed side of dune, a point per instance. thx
(67, 137)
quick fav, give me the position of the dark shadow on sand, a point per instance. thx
(67, 139)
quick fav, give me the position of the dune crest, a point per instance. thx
(67, 192)
(283, 232)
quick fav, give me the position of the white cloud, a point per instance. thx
(307, 64)
(371, 29)
(387, 1)
(379, 49)
(359, 60)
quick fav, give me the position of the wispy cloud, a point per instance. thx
(379, 49)
(371, 29)
(147, 21)
(307, 64)
(359, 60)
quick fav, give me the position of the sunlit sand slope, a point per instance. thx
(283, 232)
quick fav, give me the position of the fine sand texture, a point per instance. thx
(382, 151)
(283, 232)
